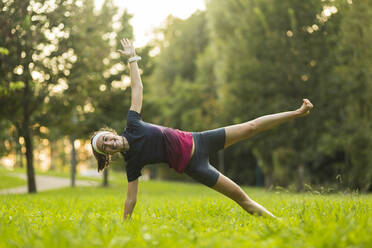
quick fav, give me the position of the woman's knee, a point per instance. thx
(240, 132)
(247, 129)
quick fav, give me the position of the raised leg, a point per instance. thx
(230, 189)
(238, 132)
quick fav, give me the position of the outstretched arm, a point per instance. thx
(135, 77)
(130, 201)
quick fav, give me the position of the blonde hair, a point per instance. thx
(103, 160)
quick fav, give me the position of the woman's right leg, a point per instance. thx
(238, 132)
(230, 189)
(200, 170)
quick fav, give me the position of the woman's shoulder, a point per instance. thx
(133, 113)
(134, 120)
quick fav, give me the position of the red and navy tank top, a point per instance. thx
(149, 144)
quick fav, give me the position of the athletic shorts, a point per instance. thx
(206, 142)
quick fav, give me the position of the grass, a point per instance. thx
(65, 174)
(7, 181)
(182, 215)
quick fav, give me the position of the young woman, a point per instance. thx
(143, 143)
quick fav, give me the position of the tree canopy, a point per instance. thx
(61, 76)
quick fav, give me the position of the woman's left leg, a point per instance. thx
(238, 132)
(230, 189)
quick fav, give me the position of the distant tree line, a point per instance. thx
(235, 61)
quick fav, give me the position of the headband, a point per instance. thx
(94, 141)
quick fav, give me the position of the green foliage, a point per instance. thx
(4, 51)
(284, 163)
(271, 54)
(187, 216)
(13, 86)
(181, 95)
(183, 41)
(355, 80)
(65, 54)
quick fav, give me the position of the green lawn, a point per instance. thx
(182, 215)
(8, 181)
(50, 173)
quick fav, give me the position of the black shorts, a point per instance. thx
(205, 143)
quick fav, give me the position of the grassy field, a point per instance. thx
(182, 215)
(7, 181)
(65, 174)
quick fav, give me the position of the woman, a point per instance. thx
(144, 143)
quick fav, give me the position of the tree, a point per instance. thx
(354, 74)
(271, 54)
(31, 34)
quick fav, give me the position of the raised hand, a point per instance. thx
(305, 108)
(128, 49)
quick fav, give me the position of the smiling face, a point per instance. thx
(110, 143)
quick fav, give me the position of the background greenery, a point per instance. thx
(61, 78)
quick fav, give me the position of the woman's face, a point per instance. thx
(110, 143)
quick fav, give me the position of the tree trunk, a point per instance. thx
(300, 178)
(63, 154)
(26, 132)
(73, 160)
(105, 177)
(19, 155)
(31, 184)
(221, 161)
(51, 147)
(258, 175)
(269, 178)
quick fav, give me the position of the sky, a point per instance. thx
(149, 14)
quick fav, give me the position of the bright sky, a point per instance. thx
(149, 14)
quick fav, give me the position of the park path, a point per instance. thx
(46, 183)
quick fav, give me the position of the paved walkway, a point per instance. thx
(46, 183)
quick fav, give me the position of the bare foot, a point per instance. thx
(305, 108)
